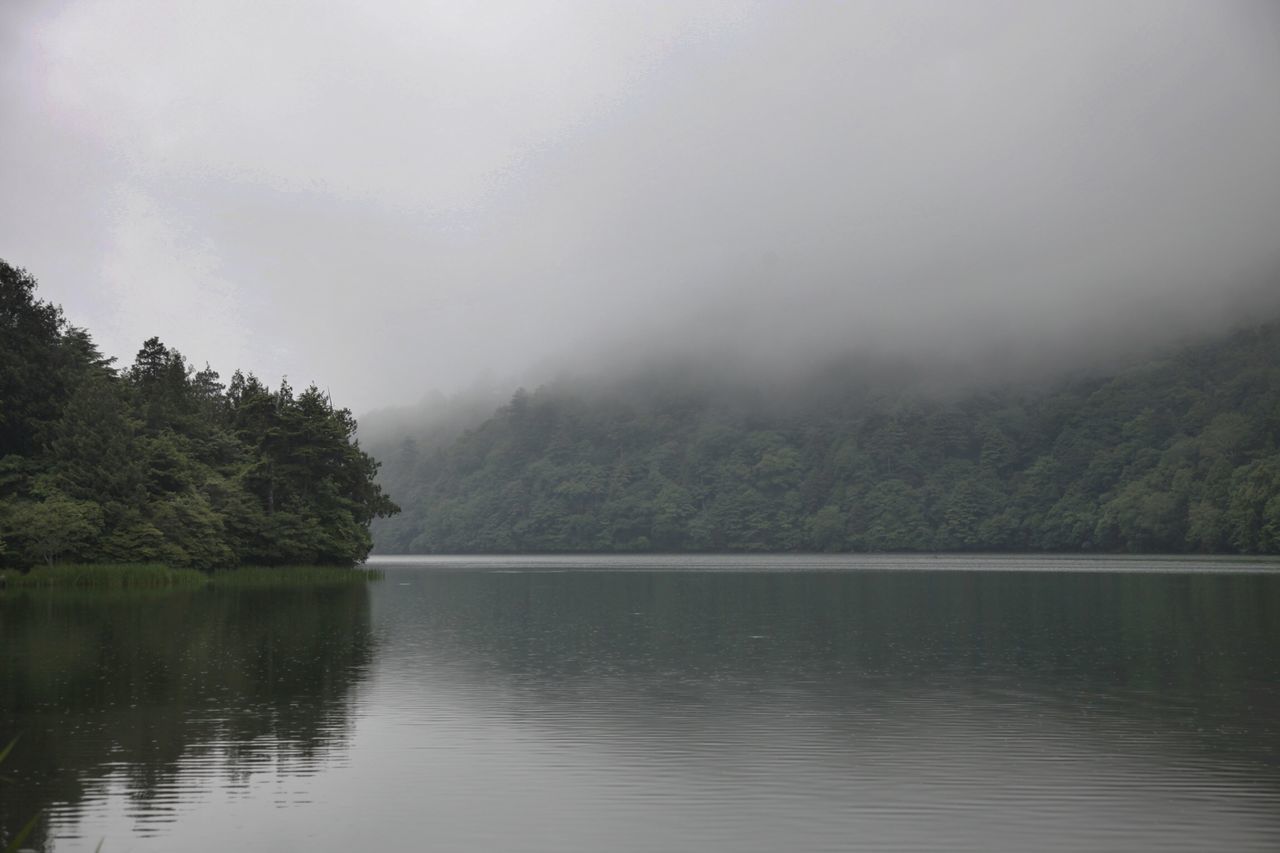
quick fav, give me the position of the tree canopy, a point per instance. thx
(1175, 455)
(163, 462)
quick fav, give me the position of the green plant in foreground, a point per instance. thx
(16, 842)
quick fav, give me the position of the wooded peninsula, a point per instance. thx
(162, 463)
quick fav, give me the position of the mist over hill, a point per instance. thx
(1173, 454)
(794, 219)
(523, 189)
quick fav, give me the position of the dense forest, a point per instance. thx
(161, 462)
(1174, 455)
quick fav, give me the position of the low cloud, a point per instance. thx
(394, 199)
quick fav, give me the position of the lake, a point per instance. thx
(657, 703)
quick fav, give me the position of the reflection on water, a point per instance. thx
(645, 707)
(139, 703)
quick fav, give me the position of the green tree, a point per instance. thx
(162, 462)
(54, 527)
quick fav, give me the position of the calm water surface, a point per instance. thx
(701, 704)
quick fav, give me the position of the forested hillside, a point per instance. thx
(1174, 455)
(161, 462)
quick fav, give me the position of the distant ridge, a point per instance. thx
(1178, 454)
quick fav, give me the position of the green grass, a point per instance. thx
(105, 576)
(159, 576)
(277, 576)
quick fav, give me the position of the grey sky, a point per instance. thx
(391, 197)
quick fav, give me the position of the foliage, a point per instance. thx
(259, 577)
(1176, 455)
(54, 526)
(109, 576)
(134, 576)
(160, 462)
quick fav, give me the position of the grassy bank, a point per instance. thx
(268, 576)
(159, 576)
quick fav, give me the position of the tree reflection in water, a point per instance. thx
(142, 688)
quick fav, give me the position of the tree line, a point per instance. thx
(160, 462)
(1178, 454)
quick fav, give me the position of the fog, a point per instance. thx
(398, 197)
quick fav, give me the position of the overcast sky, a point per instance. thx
(392, 197)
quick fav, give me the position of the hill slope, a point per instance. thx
(1174, 455)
